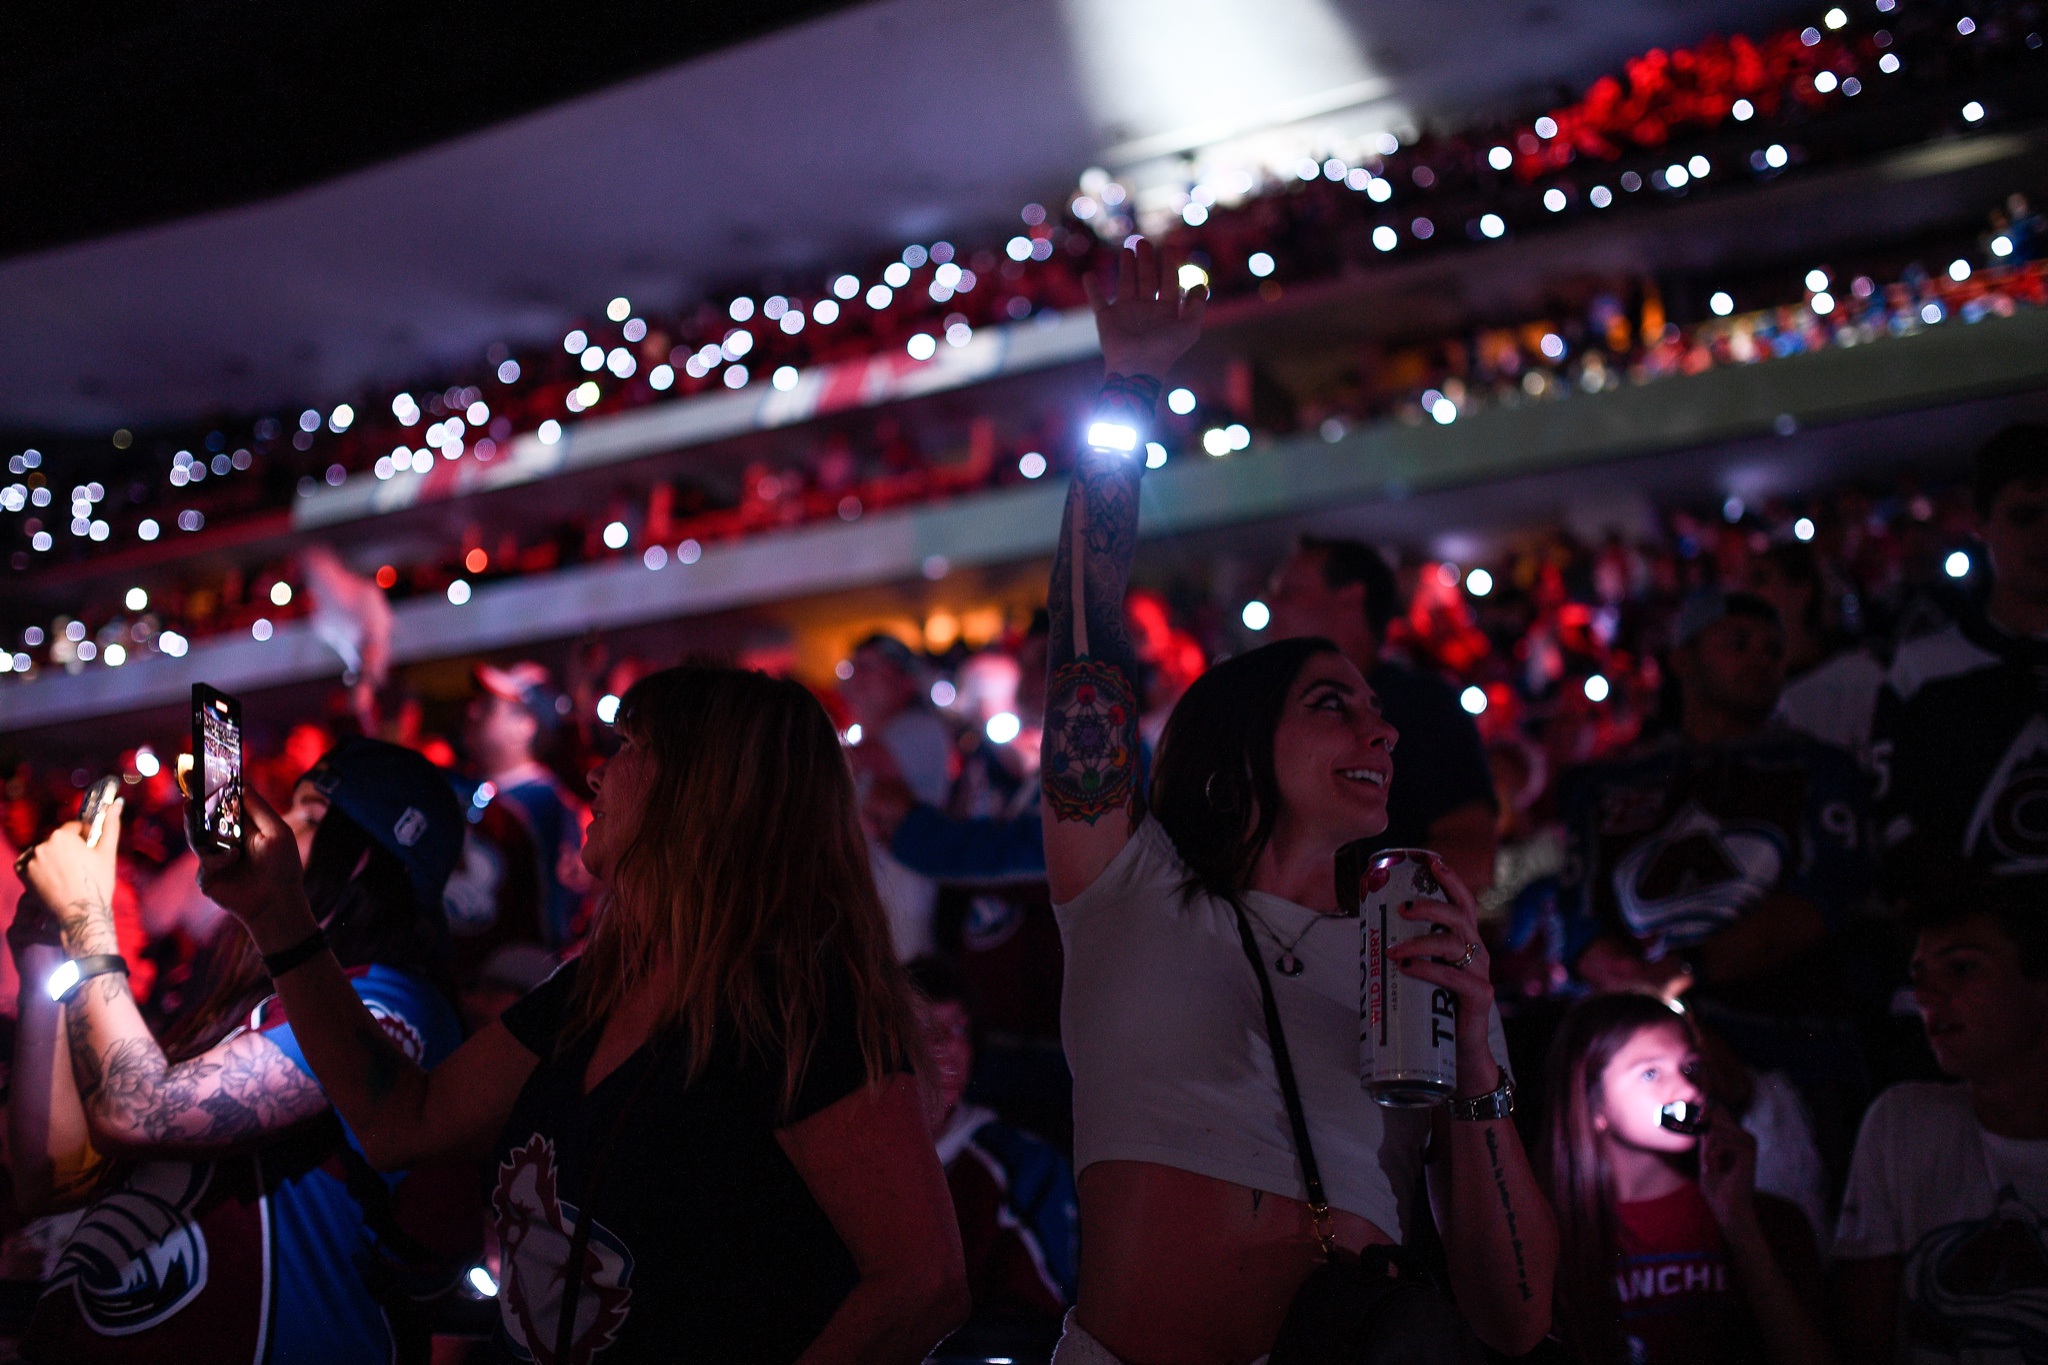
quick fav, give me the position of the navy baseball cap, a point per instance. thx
(402, 801)
(1709, 605)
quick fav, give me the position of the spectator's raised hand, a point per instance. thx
(67, 872)
(1728, 1172)
(1150, 323)
(261, 882)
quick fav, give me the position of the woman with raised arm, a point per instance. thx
(1197, 1231)
(706, 1140)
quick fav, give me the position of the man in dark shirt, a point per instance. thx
(1442, 797)
(1724, 857)
(1960, 743)
(1728, 863)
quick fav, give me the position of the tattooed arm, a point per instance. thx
(132, 1098)
(400, 1113)
(1089, 764)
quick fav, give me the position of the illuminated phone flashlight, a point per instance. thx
(1107, 433)
(62, 980)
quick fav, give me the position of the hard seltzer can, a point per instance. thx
(1407, 1038)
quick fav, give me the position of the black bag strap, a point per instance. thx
(579, 1238)
(1283, 1063)
(380, 1210)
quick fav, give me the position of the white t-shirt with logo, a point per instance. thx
(1967, 1211)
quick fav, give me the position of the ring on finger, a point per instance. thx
(1471, 951)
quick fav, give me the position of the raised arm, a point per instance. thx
(400, 1113)
(134, 1100)
(1090, 759)
(49, 1148)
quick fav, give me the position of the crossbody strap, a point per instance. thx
(1276, 1039)
(579, 1237)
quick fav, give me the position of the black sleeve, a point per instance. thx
(536, 1018)
(836, 1067)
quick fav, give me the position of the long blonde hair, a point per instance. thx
(747, 878)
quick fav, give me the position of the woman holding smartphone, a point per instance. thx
(226, 1215)
(705, 1139)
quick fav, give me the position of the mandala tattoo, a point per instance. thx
(1090, 760)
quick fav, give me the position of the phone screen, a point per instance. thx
(217, 740)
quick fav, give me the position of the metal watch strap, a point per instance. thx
(1497, 1103)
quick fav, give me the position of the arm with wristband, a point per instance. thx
(401, 1113)
(1090, 758)
(134, 1099)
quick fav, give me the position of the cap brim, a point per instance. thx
(498, 683)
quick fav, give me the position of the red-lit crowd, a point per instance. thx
(1746, 801)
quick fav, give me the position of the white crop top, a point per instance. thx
(1166, 1039)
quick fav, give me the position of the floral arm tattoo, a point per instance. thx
(237, 1092)
(1090, 759)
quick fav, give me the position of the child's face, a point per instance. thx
(1651, 1070)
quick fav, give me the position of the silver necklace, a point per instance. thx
(1286, 963)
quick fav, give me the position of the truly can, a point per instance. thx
(1407, 1029)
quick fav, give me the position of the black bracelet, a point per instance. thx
(74, 972)
(300, 953)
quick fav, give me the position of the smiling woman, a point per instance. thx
(1205, 1210)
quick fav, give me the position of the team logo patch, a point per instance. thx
(990, 922)
(139, 1255)
(2011, 819)
(470, 899)
(535, 1229)
(400, 1032)
(1696, 876)
(409, 827)
(1981, 1285)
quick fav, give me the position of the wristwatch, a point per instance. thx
(1496, 1103)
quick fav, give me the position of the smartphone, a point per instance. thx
(217, 749)
(93, 814)
(1685, 1116)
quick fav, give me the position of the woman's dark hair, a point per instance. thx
(1574, 1171)
(2015, 909)
(364, 897)
(1214, 789)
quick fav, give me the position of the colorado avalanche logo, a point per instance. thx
(1695, 876)
(402, 1034)
(2012, 813)
(1982, 1285)
(138, 1256)
(991, 921)
(470, 899)
(535, 1228)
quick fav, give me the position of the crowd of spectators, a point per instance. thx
(1714, 765)
(1622, 336)
(1251, 234)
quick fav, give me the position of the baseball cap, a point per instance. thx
(1709, 605)
(892, 649)
(402, 801)
(527, 683)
